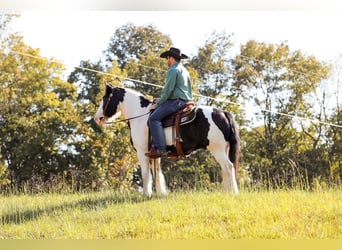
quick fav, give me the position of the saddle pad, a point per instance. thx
(184, 119)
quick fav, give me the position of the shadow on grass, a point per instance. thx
(87, 204)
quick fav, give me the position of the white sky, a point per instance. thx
(72, 36)
(75, 30)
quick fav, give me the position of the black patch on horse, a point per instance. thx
(144, 102)
(194, 135)
(226, 123)
(118, 95)
(222, 122)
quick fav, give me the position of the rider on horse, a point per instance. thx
(176, 92)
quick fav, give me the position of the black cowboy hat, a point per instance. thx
(176, 53)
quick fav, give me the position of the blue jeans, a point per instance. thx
(156, 127)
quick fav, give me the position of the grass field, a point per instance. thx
(184, 215)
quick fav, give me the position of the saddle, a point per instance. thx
(185, 115)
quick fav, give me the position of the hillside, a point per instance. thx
(189, 215)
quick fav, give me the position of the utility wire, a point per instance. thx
(202, 96)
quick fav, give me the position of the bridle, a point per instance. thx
(107, 103)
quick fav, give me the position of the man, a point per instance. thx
(176, 92)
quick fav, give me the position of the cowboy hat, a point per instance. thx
(174, 52)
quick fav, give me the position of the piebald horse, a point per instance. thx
(212, 129)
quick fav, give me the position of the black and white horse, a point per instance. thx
(213, 129)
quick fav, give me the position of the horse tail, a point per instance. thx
(234, 142)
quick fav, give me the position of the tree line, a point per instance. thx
(48, 136)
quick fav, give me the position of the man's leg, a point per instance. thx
(156, 127)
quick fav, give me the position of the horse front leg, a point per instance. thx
(159, 176)
(145, 173)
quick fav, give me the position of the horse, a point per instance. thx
(212, 129)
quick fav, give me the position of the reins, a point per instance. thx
(128, 119)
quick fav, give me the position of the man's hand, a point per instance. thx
(153, 107)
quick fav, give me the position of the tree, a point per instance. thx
(135, 42)
(87, 78)
(213, 64)
(37, 112)
(278, 82)
(150, 69)
(334, 133)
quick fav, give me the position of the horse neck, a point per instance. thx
(130, 107)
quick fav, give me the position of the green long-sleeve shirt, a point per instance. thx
(177, 84)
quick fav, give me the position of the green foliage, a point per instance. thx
(4, 176)
(213, 65)
(335, 156)
(37, 113)
(87, 78)
(275, 79)
(136, 42)
(154, 73)
(214, 74)
(200, 171)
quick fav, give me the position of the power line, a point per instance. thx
(253, 59)
(199, 95)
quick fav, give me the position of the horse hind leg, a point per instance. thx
(229, 183)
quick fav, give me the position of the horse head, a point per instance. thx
(109, 105)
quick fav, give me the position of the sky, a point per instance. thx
(74, 35)
(82, 30)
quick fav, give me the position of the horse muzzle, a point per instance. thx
(100, 120)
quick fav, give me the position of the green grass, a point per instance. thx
(184, 215)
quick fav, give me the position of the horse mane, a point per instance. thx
(144, 101)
